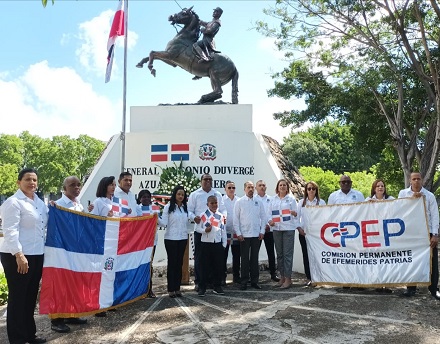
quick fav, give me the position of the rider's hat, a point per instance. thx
(218, 9)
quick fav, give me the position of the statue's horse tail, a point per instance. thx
(235, 87)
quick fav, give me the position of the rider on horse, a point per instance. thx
(205, 47)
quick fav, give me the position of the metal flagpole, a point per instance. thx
(124, 90)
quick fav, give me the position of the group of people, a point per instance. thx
(220, 223)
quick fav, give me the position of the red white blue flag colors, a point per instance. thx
(172, 152)
(120, 206)
(281, 216)
(150, 209)
(92, 263)
(209, 219)
(117, 29)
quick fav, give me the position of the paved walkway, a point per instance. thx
(270, 315)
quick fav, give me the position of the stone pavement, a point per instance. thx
(271, 315)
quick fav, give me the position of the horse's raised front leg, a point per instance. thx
(216, 89)
(142, 62)
(164, 56)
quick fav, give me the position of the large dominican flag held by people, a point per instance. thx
(92, 263)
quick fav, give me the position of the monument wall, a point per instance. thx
(214, 139)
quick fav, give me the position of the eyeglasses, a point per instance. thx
(231, 187)
(310, 189)
(207, 179)
(345, 182)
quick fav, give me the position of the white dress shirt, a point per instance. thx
(287, 202)
(375, 198)
(197, 203)
(249, 217)
(175, 222)
(129, 197)
(431, 207)
(301, 209)
(217, 233)
(338, 197)
(66, 202)
(101, 207)
(266, 201)
(24, 223)
(229, 205)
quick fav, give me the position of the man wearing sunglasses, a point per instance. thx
(229, 198)
(197, 201)
(268, 235)
(345, 194)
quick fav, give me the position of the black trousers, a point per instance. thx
(302, 241)
(434, 271)
(249, 250)
(211, 263)
(150, 285)
(175, 252)
(235, 249)
(23, 291)
(270, 249)
(197, 241)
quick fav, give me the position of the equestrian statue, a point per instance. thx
(199, 58)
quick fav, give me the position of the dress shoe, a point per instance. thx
(409, 293)
(243, 287)
(287, 283)
(281, 281)
(201, 292)
(309, 284)
(75, 321)
(60, 327)
(196, 287)
(179, 293)
(255, 286)
(38, 340)
(101, 314)
(172, 294)
(275, 278)
(219, 290)
(151, 294)
(436, 295)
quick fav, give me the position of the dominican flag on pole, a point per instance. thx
(92, 263)
(117, 29)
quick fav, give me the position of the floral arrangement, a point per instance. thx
(177, 175)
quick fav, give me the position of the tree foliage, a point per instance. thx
(328, 181)
(330, 146)
(54, 159)
(373, 64)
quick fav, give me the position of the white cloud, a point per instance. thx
(93, 34)
(267, 44)
(56, 101)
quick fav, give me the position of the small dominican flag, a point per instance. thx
(93, 263)
(213, 220)
(150, 209)
(120, 205)
(117, 29)
(171, 152)
(285, 214)
(281, 216)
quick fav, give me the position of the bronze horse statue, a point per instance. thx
(179, 52)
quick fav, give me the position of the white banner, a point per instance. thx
(369, 244)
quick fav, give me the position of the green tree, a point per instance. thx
(8, 179)
(330, 146)
(373, 64)
(88, 150)
(327, 180)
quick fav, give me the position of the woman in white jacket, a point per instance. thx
(175, 218)
(282, 212)
(312, 198)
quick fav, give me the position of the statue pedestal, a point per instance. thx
(214, 139)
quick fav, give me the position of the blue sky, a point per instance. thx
(53, 62)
